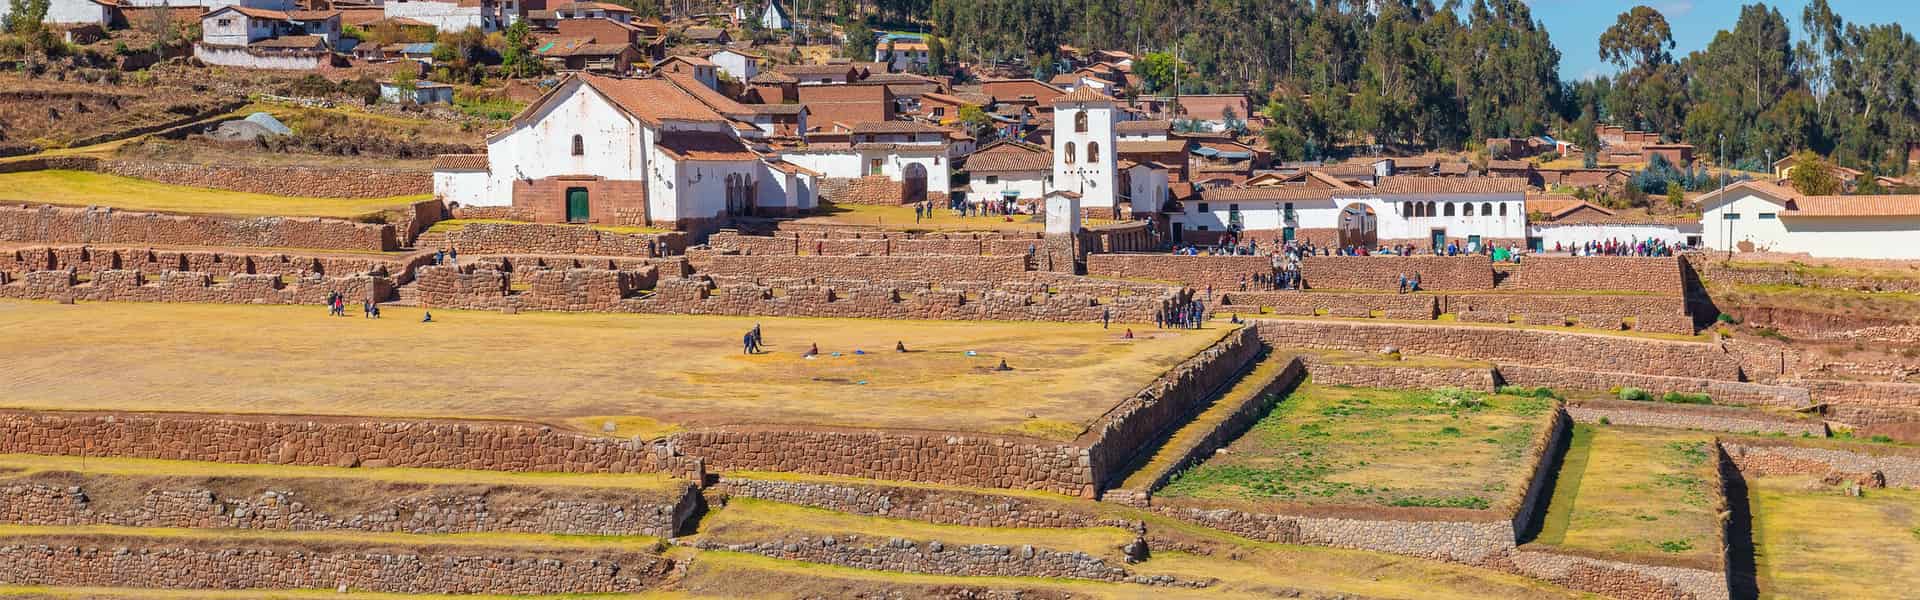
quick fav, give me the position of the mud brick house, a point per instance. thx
(599, 149)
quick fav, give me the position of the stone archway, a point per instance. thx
(1359, 226)
(913, 186)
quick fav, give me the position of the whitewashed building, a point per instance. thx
(739, 65)
(452, 15)
(72, 12)
(774, 17)
(1085, 155)
(917, 155)
(627, 151)
(1427, 212)
(1009, 170)
(1761, 216)
(254, 38)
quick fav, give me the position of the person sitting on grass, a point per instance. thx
(813, 351)
(900, 346)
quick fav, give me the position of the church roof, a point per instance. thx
(1083, 94)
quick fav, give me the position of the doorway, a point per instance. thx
(1439, 240)
(577, 205)
(1358, 226)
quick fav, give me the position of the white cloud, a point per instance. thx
(1676, 9)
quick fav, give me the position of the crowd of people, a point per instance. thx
(1615, 247)
(1186, 316)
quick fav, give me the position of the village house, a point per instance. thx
(739, 65)
(707, 36)
(455, 15)
(1556, 222)
(584, 54)
(774, 17)
(67, 13)
(607, 150)
(902, 54)
(238, 36)
(917, 156)
(1428, 212)
(819, 74)
(700, 69)
(772, 87)
(1214, 112)
(417, 92)
(1761, 216)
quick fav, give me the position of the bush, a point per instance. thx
(1537, 392)
(1457, 398)
(1635, 394)
(1684, 398)
(1606, 421)
(1728, 319)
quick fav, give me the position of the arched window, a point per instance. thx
(1080, 124)
(579, 146)
(1069, 152)
(1449, 209)
(1093, 152)
(1486, 210)
(1503, 209)
(1426, 209)
(1467, 211)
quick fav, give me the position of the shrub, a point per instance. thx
(1728, 319)
(1684, 398)
(1537, 392)
(1771, 333)
(1470, 502)
(1457, 398)
(1606, 421)
(1676, 546)
(1635, 394)
(1883, 439)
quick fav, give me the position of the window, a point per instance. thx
(1467, 211)
(1765, 216)
(1203, 207)
(1503, 209)
(1080, 121)
(939, 112)
(579, 146)
(993, 179)
(1732, 216)
(1069, 152)
(873, 168)
(1093, 152)
(225, 22)
(1203, 227)
(1486, 210)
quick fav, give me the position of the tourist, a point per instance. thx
(428, 318)
(440, 257)
(1160, 319)
(366, 309)
(812, 351)
(1129, 333)
(1106, 317)
(900, 346)
(453, 257)
(376, 310)
(1414, 286)
(746, 343)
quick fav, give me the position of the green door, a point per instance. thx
(1439, 240)
(576, 205)
(1286, 235)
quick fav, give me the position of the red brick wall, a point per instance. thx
(609, 201)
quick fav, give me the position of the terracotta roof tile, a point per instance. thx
(1083, 94)
(1010, 156)
(1142, 127)
(460, 162)
(652, 100)
(1151, 147)
(701, 145)
(1450, 185)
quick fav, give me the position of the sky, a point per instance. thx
(1576, 25)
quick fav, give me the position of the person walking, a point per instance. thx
(1106, 318)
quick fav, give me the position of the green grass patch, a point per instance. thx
(1637, 492)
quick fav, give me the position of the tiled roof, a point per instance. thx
(460, 162)
(1450, 185)
(701, 145)
(814, 70)
(692, 60)
(1142, 127)
(312, 15)
(775, 109)
(886, 127)
(773, 77)
(1509, 165)
(257, 13)
(1267, 194)
(1151, 147)
(1904, 205)
(1083, 94)
(940, 148)
(1010, 156)
(1212, 107)
(652, 100)
(704, 33)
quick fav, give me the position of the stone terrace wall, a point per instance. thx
(1337, 304)
(934, 557)
(101, 561)
(1618, 579)
(1611, 353)
(871, 268)
(1400, 376)
(1424, 533)
(187, 286)
(1437, 273)
(86, 259)
(883, 243)
(1862, 402)
(1723, 392)
(1712, 267)
(1762, 457)
(543, 238)
(292, 504)
(96, 225)
(1565, 304)
(343, 442)
(312, 182)
(1222, 273)
(928, 504)
(1197, 450)
(1658, 275)
(933, 457)
(1682, 416)
(1126, 429)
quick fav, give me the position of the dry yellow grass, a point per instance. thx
(106, 593)
(1637, 491)
(21, 465)
(579, 369)
(1811, 541)
(84, 188)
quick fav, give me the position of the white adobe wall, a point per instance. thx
(839, 165)
(1396, 224)
(240, 57)
(469, 188)
(893, 165)
(1095, 181)
(1768, 234)
(543, 147)
(1576, 233)
(1029, 185)
(72, 12)
(445, 16)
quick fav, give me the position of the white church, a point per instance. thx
(625, 152)
(1083, 163)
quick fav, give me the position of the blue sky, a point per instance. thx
(1576, 25)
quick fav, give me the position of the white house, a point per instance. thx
(1761, 216)
(1428, 212)
(1146, 184)
(1084, 153)
(418, 92)
(211, 4)
(902, 54)
(739, 65)
(1010, 170)
(774, 17)
(73, 12)
(1142, 131)
(238, 36)
(451, 15)
(917, 155)
(599, 149)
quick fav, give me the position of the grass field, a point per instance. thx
(1636, 491)
(647, 373)
(1812, 541)
(85, 188)
(1339, 445)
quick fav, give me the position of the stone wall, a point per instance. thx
(1713, 267)
(918, 503)
(1684, 416)
(870, 189)
(871, 268)
(1116, 437)
(1759, 457)
(1722, 392)
(340, 504)
(310, 182)
(1382, 273)
(1221, 273)
(936, 558)
(1620, 579)
(96, 225)
(1570, 304)
(1657, 275)
(950, 458)
(1592, 352)
(1454, 535)
(187, 286)
(1336, 304)
(1862, 402)
(105, 561)
(543, 238)
(1401, 377)
(1195, 450)
(87, 259)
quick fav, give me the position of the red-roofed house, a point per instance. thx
(606, 150)
(1762, 216)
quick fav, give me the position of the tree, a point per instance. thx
(1639, 39)
(978, 123)
(936, 56)
(516, 56)
(1813, 175)
(26, 16)
(860, 42)
(1157, 71)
